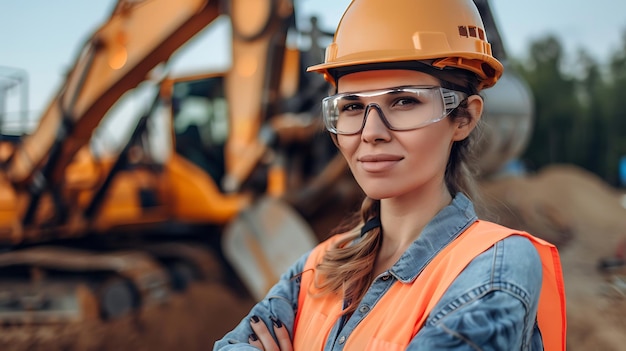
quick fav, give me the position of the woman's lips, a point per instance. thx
(378, 163)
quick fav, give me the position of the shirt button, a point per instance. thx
(385, 277)
(364, 309)
(342, 340)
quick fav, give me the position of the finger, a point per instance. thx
(282, 335)
(254, 341)
(263, 334)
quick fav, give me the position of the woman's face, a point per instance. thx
(388, 163)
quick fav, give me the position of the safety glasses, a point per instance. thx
(400, 108)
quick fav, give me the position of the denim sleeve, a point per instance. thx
(281, 302)
(492, 305)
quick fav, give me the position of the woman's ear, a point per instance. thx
(465, 125)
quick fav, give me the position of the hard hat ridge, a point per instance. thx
(446, 33)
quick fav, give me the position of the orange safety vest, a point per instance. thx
(400, 313)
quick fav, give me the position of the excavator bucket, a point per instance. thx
(263, 241)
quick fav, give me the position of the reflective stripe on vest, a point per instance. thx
(400, 313)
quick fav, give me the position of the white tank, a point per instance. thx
(507, 122)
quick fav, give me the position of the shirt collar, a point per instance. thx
(448, 224)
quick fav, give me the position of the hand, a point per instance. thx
(262, 338)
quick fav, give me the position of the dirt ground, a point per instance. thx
(562, 204)
(190, 322)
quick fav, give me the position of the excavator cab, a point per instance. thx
(199, 110)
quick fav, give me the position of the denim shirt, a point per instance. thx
(491, 305)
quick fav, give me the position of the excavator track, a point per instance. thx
(59, 284)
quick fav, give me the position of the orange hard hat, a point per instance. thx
(444, 33)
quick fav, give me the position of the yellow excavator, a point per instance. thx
(223, 173)
(91, 236)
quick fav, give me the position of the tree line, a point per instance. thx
(580, 108)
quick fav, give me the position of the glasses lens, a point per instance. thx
(402, 108)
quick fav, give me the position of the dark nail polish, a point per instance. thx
(254, 319)
(276, 322)
(253, 337)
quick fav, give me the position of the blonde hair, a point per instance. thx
(342, 265)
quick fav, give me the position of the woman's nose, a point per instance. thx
(374, 128)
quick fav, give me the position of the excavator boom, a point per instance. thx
(138, 36)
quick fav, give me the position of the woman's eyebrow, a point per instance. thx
(351, 97)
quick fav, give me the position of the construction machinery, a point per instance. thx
(218, 179)
(90, 235)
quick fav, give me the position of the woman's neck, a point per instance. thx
(403, 219)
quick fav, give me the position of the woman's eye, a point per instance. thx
(351, 108)
(405, 102)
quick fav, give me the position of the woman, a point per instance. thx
(418, 270)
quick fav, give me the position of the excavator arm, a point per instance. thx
(139, 35)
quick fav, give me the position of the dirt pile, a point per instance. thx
(585, 219)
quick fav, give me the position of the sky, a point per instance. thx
(39, 39)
